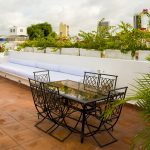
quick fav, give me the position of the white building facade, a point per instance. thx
(18, 31)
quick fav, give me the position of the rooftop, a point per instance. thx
(18, 116)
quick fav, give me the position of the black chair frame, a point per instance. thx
(39, 101)
(56, 110)
(42, 76)
(106, 124)
(99, 82)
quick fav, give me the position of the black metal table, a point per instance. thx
(85, 96)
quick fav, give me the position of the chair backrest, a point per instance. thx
(42, 76)
(114, 96)
(100, 82)
(37, 94)
(55, 103)
(91, 81)
(107, 82)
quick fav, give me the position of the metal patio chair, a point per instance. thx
(42, 76)
(39, 101)
(56, 109)
(107, 82)
(106, 123)
(91, 81)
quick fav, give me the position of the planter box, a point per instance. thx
(89, 53)
(117, 54)
(70, 51)
(37, 50)
(28, 49)
(143, 54)
(50, 50)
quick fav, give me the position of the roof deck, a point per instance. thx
(18, 116)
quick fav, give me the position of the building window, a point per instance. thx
(21, 30)
(13, 30)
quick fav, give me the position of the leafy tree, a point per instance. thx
(106, 37)
(98, 40)
(87, 40)
(40, 30)
(130, 39)
(101, 38)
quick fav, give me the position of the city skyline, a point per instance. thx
(79, 15)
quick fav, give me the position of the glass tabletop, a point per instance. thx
(78, 91)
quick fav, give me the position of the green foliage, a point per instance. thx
(86, 40)
(95, 40)
(143, 96)
(41, 36)
(123, 37)
(130, 39)
(60, 43)
(49, 41)
(148, 58)
(40, 30)
(2, 48)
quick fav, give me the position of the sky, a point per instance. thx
(78, 14)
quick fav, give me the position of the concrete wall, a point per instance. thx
(127, 70)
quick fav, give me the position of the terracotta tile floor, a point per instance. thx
(18, 116)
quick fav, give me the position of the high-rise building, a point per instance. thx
(63, 31)
(102, 23)
(142, 20)
(137, 21)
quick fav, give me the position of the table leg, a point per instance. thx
(83, 124)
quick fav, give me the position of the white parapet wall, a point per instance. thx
(127, 70)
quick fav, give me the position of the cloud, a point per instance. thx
(78, 14)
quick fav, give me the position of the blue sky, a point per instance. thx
(78, 14)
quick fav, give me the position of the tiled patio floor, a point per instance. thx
(18, 116)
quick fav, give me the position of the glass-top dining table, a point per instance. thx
(81, 98)
(79, 92)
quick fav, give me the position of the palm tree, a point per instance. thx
(142, 90)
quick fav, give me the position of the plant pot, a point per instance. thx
(103, 54)
(136, 55)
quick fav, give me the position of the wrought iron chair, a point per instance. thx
(105, 123)
(42, 76)
(56, 110)
(91, 81)
(99, 82)
(107, 82)
(39, 100)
